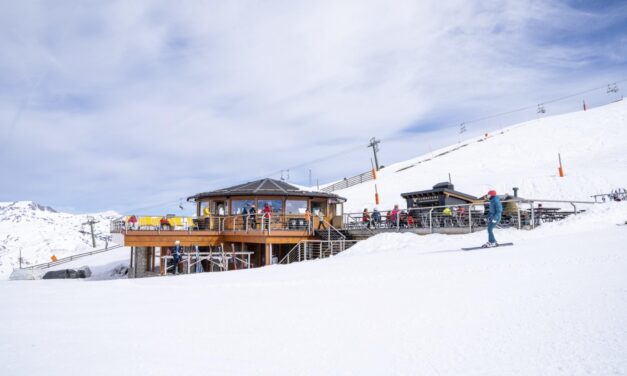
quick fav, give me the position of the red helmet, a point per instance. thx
(492, 193)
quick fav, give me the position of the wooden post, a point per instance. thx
(376, 195)
(268, 254)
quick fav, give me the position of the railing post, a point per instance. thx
(533, 218)
(518, 210)
(574, 208)
(470, 218)
(431, 221)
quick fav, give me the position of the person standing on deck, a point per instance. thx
(494, 217)
(132, 222)
(393, 216)
(321, 220)
(244, 215)
(376, 217)
(365, 218)
(252, 217)
(308, 221)
(267, 212)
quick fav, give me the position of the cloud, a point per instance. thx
(150, 100)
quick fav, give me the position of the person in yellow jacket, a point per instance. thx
(447, 214)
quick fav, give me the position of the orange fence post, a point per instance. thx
(376, 195)
(53, 258)
(560, 169)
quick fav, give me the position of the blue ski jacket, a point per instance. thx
(496, 209)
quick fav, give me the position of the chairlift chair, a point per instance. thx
(612, 88)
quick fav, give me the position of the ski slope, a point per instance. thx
(592, 144)
(553, 304)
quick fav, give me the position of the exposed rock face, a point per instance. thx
(82, 272)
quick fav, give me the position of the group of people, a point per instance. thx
(164, 223)
(400, 218)
(393, 218)
(249, 216)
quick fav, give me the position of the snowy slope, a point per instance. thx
(396, 304)
(40, 232)
(593, 146)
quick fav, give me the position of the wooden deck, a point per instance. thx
(165, 238)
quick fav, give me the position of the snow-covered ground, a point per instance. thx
(40, 232)
(553, 304)
(592, 144)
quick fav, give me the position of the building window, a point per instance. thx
(204, 208)
(238, 206)
(275, 205)
(295, 206)
(316, 207)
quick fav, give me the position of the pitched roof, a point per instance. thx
(263, 187)
(445, 188)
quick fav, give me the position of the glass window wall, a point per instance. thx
(239, 206)
(275, 205)
(295, 206)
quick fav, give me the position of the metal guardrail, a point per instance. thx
(238, 222)
(257, 222)
(349, 182)
(315, 249)
(70, 258)
(517, 213)
(619, 194)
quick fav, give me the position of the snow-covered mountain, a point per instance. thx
(592, 144)
(40, 231)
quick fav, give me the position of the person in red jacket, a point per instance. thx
(165, 224)
(132, 222)
(267, 213)
(393, 216)
(365, 218)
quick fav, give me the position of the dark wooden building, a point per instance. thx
(440, 195)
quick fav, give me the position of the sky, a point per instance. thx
(134, 106)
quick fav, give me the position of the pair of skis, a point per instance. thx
(484, 247)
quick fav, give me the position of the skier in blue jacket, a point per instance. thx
(494, 217)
